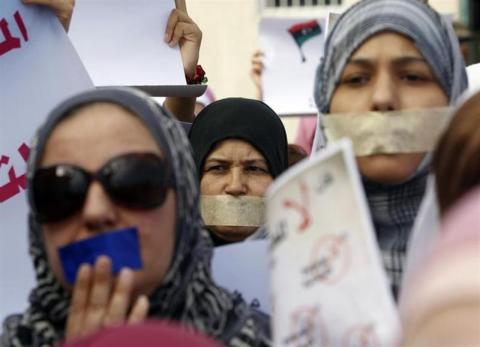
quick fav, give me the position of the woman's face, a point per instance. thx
(236, 168)
(88, 139)
(387, 73)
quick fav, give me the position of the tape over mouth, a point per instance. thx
(227, 210)
(409, 131)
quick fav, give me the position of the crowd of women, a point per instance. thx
(112, 158)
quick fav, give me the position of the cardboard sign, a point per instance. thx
(38, 69)
(292, 49)
(244, 268)
(328, 283)
(121, 43)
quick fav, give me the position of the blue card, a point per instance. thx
(121, 246)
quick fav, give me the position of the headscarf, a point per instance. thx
(245, 119)
(393, 207)
(187, 294)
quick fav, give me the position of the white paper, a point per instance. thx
(287, 81)
(121, 42)
(34, 77)
(328, 283)
(243, 267)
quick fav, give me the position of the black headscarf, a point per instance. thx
(187, 294)
(245, 119)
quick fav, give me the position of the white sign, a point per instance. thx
(328, 283)
(121, 42)
(38, 69)
(244, 267)
(292, 49)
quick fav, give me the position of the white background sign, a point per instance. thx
(328, 284)
(38, 69)
(287, 79)
(121, 42)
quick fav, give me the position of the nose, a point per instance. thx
(99, 212)
(236, 184)
(384, 94)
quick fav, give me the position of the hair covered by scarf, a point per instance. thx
(433, 36)
(237, 118)
(187, 294)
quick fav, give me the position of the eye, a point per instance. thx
(355, 80)
(219, 168)
(413, 77)
(256, 169)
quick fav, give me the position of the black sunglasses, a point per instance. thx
(135, 180)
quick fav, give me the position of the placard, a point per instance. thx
(292, 49)
(38, 69)
(328, 283)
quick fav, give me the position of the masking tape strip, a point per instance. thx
(226, 210)
(389, 132)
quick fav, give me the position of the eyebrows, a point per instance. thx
(369, 63)
(222, 160)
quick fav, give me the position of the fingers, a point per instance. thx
(63, 9)
(120, 299)
(179, 26)
(78, 305)
(100, 294)
(139, 311)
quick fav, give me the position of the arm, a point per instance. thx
(63, 9)
(183, 31)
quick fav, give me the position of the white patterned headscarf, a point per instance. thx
(393, 207)
(188, 293)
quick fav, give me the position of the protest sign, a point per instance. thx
(292, 49)
(39, 68)
(243, 268)
(121, 43)
(328, 284)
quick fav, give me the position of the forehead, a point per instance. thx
(95, 133)
(386, 44)
(235, 149)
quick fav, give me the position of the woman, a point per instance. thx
(390, 55)
(239, 146)
(105, 160)
(456, 162)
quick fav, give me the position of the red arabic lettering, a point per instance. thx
(302, 208)
(15, 183)
(10, 42)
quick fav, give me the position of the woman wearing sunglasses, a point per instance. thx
(107, 160)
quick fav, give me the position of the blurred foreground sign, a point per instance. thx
(38, 69)
(328, 284)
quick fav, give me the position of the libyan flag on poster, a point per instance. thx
(302, 32)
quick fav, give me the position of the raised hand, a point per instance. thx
(100, 300)
(63, 9)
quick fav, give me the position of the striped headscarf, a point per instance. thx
(187, 294)
(433, 36)
(393, 207)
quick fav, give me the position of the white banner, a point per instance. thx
(38, 69)
(328, 283)
(121, 42)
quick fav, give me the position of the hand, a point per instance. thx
(256, 72)
(99, 300)
(63, 9)
(183, 31)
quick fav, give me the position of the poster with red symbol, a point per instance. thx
(328, 284)
(38, 69)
